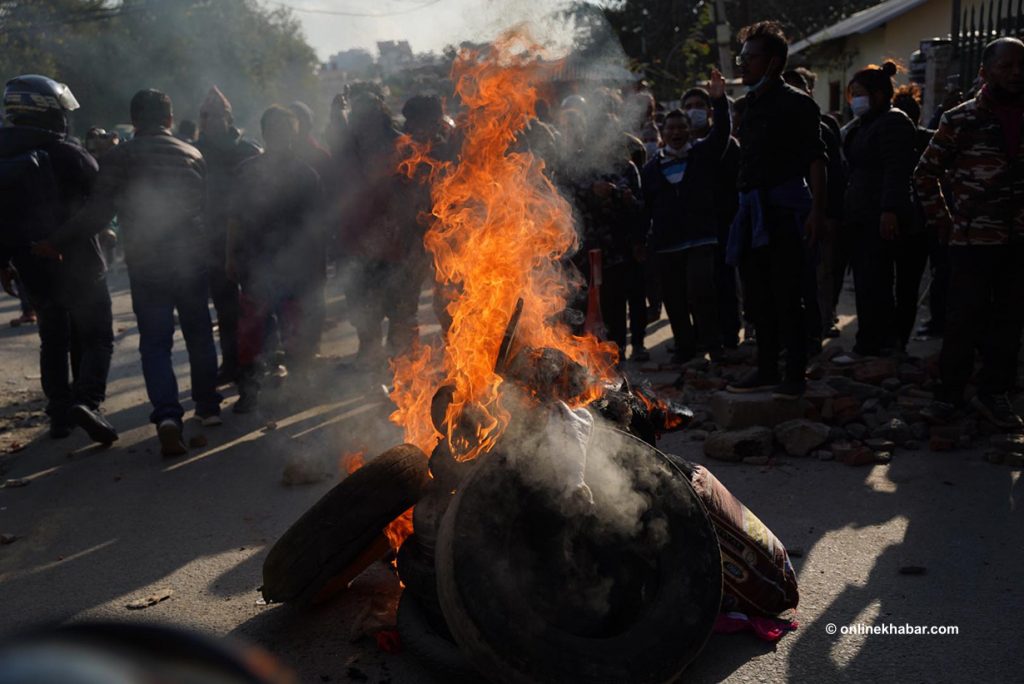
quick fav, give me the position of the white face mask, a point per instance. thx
(860, 105)
(698, 118)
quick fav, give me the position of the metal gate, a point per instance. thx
(977, 25)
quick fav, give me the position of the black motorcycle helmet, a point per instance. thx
(38, 101)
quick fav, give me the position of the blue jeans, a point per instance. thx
(154, 302)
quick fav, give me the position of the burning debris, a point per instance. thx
(547, 538)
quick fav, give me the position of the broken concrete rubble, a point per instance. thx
(734, 411)
(737, 445)
(800, 437)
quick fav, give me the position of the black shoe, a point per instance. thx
(640, 354)
(938, 412)
(832, 332)
(930, 329)
(247, 402)
(752, 382)
(60, 429)
(790, 389)
(996, 408)
(95, 425)
(171, 442)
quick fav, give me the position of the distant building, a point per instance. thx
(395, 55)
(896, 30)
(355, 60)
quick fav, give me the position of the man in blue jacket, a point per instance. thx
(679, 197)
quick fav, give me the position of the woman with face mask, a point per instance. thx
(879, 145)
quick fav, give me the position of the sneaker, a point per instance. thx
(751, 382)
(60, 429)
(996, 408)
(171, 442)
(247, 403)
(212, 420)
(938, 412)
(94, 423)
(789, 389)
(23, 319)
(640, 354)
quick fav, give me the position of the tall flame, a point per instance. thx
(499, 231)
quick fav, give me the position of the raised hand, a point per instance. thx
(716, 89)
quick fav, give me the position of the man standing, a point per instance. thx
(44, 180)
(154, 183)
(977, 154)
(780, 145)
(223, 150)
(696, 103)
(679, 196)
(272, 229)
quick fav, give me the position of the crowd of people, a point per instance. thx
(740, 216)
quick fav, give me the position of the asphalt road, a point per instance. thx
(98, 528)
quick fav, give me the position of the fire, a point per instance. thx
(352, 461)
(398, 530)
(499, 232)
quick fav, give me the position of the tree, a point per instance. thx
(106, 51)
(673, 41)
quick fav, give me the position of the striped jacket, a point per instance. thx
(984, 187)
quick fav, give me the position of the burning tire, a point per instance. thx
(537, 588)
(416, 570)
(341, 535)
(433, 648)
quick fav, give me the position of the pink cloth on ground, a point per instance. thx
(766, 628)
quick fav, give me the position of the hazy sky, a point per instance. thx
(426, 24)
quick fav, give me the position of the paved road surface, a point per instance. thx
(100, 527)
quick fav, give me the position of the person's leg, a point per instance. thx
(252, 335)
(92, 322)
(673, 278)
(401, 303)
(364, 297)
(728, 299)
(759, 300)
(911, 255)
(614, 288)
(786, 275)
(700, 277)
(54, 348)
(938, 301)
(968, 307)
(197, 329)
(636, 294)
(813, 324)
(999, 352)
(825, 279)
(224, 293)
(153, 304)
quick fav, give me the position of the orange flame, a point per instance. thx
(352, 461)
(499, 231)
(398, 530)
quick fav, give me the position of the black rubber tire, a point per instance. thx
(416, 570)
(432, 649)
(343, 524)
(509, 567)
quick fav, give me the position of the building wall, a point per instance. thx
(896, 40)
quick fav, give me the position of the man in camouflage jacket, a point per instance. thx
(971, 184)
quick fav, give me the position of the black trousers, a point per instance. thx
(887, 277)
(687, 277)
(938, 263)
(622, 285)
(986, 312)
(773, 282)
(728, 299)
(225, 295)
(76, 344)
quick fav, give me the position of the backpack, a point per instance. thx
(28, 199)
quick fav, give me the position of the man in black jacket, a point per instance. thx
(679, 197)
(223, 149)
(780, 145)
(155, 184)
(44, 179)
